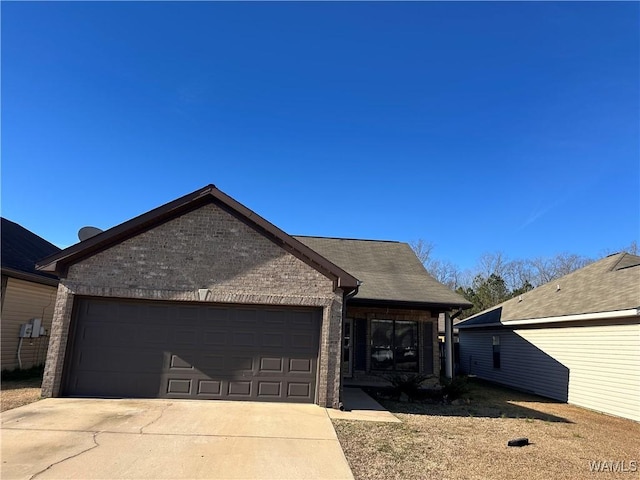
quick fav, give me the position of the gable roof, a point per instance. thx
(60, 261)
(599, 289)
(389, 271)
(21, 249)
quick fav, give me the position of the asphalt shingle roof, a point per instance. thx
(610, 284)
(21, 249)
(389, 271)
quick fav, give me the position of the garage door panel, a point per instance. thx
(181, 386)
(274, 340)
(210, 388)
(302, 341)
(181, 362)
(216, 314)
(117, 385)
(301, 319)
(159, 335)
(244, 318)
(213, 338)
(120, 359)
(243, 339)
(270, 389)
(239, 389)
(212, 363)
(159, 349)
(160, 315)
(300, 365)
(183, 336)
(271, 365)
(131, 312)
(98, 311)
(188, 314)
(274, 317)
(299, 390)
(240, 364)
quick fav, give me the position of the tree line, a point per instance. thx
(496, 278)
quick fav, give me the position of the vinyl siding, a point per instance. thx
(522, 364)
(23, 301)
(596, 367)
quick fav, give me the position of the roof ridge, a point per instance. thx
(350, 239)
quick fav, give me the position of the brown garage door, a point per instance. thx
(121, 348)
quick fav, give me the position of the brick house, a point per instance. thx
(202, 298)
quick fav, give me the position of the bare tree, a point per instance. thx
(518, 274)
(445, 272)
(442, 270)
(422, 249)
(548, 269)
(632, 248)
(492, 263)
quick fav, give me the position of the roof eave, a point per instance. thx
(580, 317)
(30, 277)
(441, 306)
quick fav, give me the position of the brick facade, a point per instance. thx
(205, 248)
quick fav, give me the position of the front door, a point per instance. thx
(347, 350)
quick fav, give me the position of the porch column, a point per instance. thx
(448, 346)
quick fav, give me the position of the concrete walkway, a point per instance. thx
(160, 439)
(360, 406)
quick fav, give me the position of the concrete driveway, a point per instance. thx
(155, 439)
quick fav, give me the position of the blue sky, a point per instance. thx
(480, 127)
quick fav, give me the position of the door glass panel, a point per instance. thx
(382, 344)
(406, 346)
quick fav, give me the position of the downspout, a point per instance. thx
(448, 343)
(346, 297)
(19, 348)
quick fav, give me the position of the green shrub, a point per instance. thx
(407, 383)
(454, 389)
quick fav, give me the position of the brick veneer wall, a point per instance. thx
(205, 248)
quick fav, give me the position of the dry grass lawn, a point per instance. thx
(19, 392)
(469, 441)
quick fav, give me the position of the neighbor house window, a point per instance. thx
(496, 351)
(394, 345)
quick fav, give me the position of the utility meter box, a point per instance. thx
(26, 329)
(35, 330)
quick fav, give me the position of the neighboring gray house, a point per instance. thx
(576, 339)
(202, 298)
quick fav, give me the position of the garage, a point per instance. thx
(187, 350)
(200, 298)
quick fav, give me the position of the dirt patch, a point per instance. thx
(469, 440)
(19, 392)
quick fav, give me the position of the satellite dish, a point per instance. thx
(85, 233)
